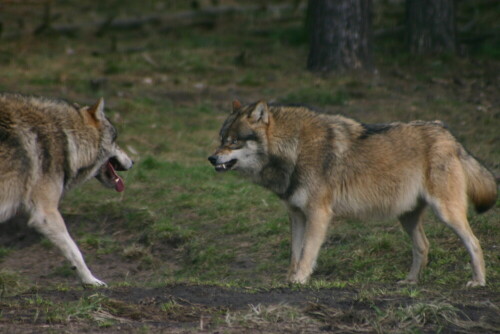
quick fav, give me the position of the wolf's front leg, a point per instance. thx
(315, 231)
(50, 223)
(297, 226)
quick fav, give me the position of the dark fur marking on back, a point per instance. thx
(375, 129)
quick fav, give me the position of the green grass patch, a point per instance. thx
(4, 251)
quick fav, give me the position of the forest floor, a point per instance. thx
(186, 250)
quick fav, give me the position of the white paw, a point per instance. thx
(94, 282)
(298, 278)
(473, 284)
(408, 281)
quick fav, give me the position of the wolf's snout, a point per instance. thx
(221, 166)
(119, 165)
(213, 159)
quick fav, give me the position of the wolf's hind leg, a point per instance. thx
(449, 200)
(456, 219)
(51, 224)
(412, 224)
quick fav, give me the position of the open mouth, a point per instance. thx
(112, 177)
(224, 167)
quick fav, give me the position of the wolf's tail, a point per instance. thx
(481, 184)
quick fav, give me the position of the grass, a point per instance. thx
(180, 222)
(174, 197)
(95, 308)
(4, 251)
(10, 283)
(260, 316)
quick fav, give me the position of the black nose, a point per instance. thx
(212, 159)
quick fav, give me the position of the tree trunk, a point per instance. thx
(431, 26)
(340, 35)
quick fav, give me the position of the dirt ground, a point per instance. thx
(130, 309)
(187, 308)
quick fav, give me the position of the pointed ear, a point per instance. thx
(97, 111)
(260, 113)
(236, 105)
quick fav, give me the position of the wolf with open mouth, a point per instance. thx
(48, 147)
(328, 166)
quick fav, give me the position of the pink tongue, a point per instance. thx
(119, 185)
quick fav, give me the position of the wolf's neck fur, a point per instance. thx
(278, 174)
(294, 135)
(83, 154)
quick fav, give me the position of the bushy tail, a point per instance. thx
(481, 184)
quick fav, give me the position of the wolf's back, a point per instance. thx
(481, 184)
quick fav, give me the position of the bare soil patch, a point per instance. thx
(200, 308)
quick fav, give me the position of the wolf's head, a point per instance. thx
(243, 139)
(111, 158)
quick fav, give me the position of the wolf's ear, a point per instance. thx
(97, 111)
(260, 113)
(236, 105)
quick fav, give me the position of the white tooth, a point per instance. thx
(224, 166)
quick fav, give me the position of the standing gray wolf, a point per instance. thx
(325, 166)
(46, 148)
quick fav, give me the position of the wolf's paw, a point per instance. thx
(94, 282)
(407, 281)
(297, 278)
(474, 283)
